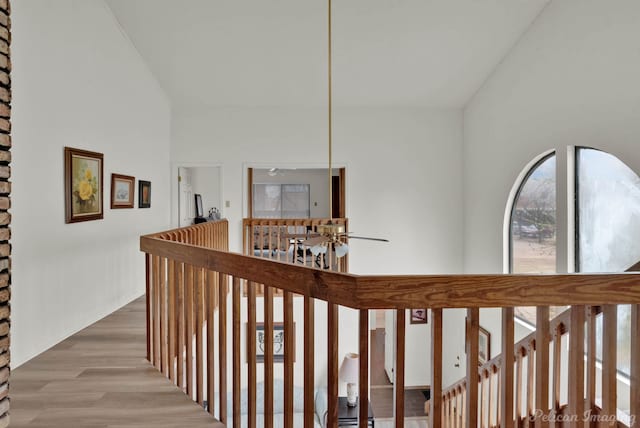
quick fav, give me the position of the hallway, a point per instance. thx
(99, 378)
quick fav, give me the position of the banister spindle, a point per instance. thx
(332, 365)
(576, 362)
(635, 365)
(268, 357)
(289, 357)
(149, 307)
(189, 311)
(473, 324)
(435, 411)
(222, 344)
(309, 362)
(210, 299)
(199, 298)
(236, 360)
(609, 360)
(251, 353)
(542, 364)
(506, 378)
(398, 385)
(363, 394)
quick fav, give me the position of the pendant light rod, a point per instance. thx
(330, 113)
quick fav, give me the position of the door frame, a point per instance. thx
(248, 168)
(175, 186)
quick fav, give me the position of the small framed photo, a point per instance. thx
(418, 316)
(278, 342)
(83, 185)
(122, 189)
(484, 346)
(144, 194)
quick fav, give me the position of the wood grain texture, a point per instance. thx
(506, 375)
(222, 345)
(235, 355)
(398, 385)
(268, 357)
(473, 328)
(435, 412)
(211, 302)
(363, 383)
(189, 288)
(309, 362)
(251, 355)
(576, 396)
(332, 365)
(99, 378)
(542, 364)
(405, 292)
(289, 358)
(609, 359)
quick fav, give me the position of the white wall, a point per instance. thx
(571, 80)
(317, 179)
(78, 82)
(403, 181)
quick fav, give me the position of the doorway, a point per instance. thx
(295, 193)
(198, 180)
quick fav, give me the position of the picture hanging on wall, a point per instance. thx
(418, 316)
(144, 194)
(83, 185)
(122, 189)
(278, 342)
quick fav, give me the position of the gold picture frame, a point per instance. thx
(83, 185)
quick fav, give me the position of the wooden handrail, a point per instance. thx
(411, 291)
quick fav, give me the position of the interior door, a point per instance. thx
(185, 204)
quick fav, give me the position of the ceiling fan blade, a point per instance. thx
(368, 239)
(312, 242)
(300, 235)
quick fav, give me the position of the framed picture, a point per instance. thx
(278, 342)
(83, 185)
(122, 188)
(484, 346)
(144, 194)
(199, 209)
(418, 316)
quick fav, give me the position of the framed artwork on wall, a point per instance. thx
(418, 316)
(122, 189)
(278, 342)
(83, 185)
(144, 194)
(484, 346)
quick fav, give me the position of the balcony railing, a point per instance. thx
(195, 329)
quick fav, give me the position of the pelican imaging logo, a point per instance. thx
(587, 416)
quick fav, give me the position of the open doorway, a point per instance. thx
(203, 181)
(295, 193)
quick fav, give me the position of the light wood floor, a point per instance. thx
(99, 378)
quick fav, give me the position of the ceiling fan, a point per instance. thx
(330, 234)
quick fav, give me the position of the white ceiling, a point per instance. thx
(434, 53)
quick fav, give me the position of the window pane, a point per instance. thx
(295, 201)
(533, 222)
(608, 226)
(266, 201)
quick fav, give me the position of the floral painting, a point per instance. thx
(122, 191)
(83, 185)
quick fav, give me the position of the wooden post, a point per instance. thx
(473, 330)
(435, 410)
(363, 416)
(576, 364)
(506, 378)
(542, 364)
(399, 371)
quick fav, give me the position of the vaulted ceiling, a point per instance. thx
(435, 53)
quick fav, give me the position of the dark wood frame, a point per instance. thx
(131, 181)
(141, 185)
(413, 320)
(277, 326)
(69, 154)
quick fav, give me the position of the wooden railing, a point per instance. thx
(185, 272)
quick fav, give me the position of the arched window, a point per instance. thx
(533, 220)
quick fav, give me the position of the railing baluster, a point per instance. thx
(635, 365)
(576, 363)
(518, 391)
(435, 411)
(398, 385)
(164, 345)
(609, 360)
(148, 300)
(332, 365)
(591, 360)
(235, 313)
(199, 283)
(189, 311)
(251, 354)
(210, 299)
(557, 376)
(542, 364)
(309, 361)
(473, 320)
(172, 319)
(181, 328)
(268, 356)
(506, 379)
(363, 382)
(289, 358)
(530, 381)
(222, 344)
